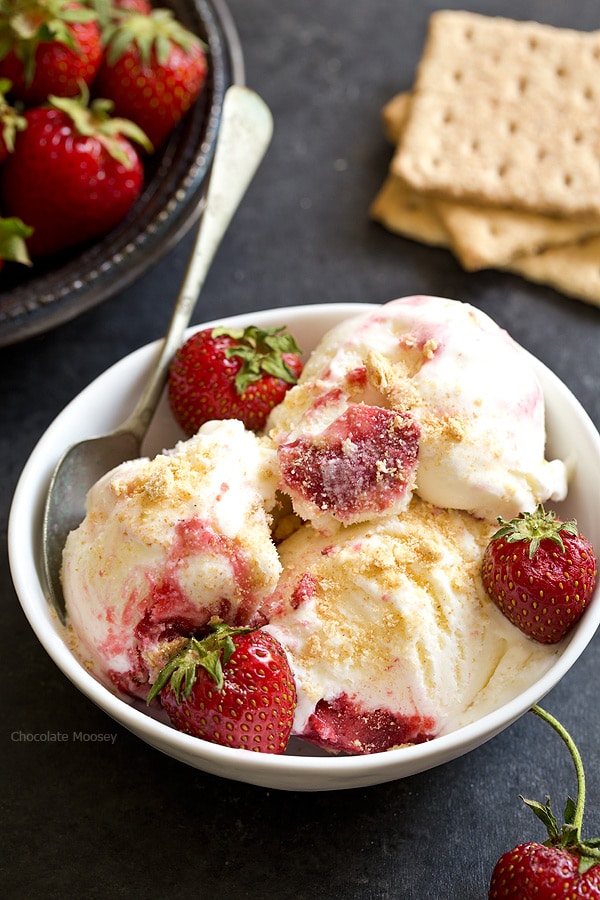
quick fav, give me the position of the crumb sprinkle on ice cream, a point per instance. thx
(168, 543)
(352, 529)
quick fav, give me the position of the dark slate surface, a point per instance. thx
(121, 820)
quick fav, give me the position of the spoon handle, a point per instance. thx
(244, 135)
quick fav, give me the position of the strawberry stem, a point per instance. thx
(577, 819)
(569, 835)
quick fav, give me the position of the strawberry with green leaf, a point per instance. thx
(233, 687)
(540, 572)
(48, 47)
(229, 373)
(154, 70)
(74, 174)
(564, 866)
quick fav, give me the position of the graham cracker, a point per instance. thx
(394, 115)
(484, 236)
(573, 269)
(489, 237)
(402, 211)
(504, 114)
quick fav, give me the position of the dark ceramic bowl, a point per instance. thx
(54, 291)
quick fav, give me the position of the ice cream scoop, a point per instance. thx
(469, 397)
(168, 543)
(391, 636)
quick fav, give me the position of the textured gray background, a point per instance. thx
(94, 820)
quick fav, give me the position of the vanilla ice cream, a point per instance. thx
(411, 430)
(472, 430)
(168, 543)
(391, 636)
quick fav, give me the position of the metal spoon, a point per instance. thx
(244, 135)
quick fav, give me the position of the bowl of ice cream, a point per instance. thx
(459, 676)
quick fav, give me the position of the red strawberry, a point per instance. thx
(48, 47)
(224, 373)
(13, 247)
(565, 866)
(11, 121)
(154, 69)
(540, 572)
(234, 687)
(73, 175)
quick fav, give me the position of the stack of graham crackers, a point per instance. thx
(498, 150)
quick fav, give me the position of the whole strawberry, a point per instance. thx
(48, 47)
(564, 866)
(73, 176)
(153, 70)
(225, 373)
(540, 572)
(234, 687)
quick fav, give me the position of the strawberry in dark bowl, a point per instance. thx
(74, 174)
(68, 281)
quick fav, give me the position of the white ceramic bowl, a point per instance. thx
(107, 401)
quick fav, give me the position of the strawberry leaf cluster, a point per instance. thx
(261, 351)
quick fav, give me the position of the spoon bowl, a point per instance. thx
(244, 135)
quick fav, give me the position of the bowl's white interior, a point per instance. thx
(107, 401)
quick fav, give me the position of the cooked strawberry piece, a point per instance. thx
(343, 726)
(362, 463)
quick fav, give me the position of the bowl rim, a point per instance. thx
(288, 772)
